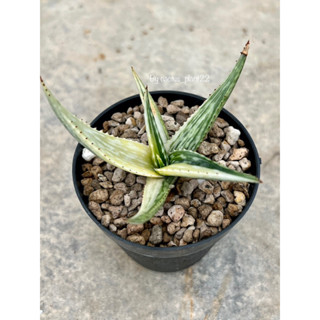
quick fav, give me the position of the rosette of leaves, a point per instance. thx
(164, 159)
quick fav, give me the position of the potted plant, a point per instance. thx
(168, 152)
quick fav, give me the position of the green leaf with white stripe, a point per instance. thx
(128, 155)
(194, 130)
(189, 164)
(154, 195)
(163, 132)
(158, 152)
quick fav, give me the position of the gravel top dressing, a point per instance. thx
(194, 209)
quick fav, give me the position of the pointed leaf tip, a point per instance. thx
(193, 131)
(190, 164)
(246, 48)
(158, 119)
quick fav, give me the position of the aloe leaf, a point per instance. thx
(190, 164)
(159, 154)
(193, 131)
(154, 195)
(128, 155)
(156, 113)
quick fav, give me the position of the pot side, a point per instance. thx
(171, 258)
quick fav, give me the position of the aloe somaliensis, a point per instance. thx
(164, 159)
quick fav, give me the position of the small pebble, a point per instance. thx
(141, 179)
(232, 135)
(215, 218)
(176, 213)
(97, 161)
(245, 164)
(116, 197)
(127, 200)
(121, 186)
(217, 191)
(146, 234)
(207, 148)
(106, 185)
(209, 199)
(122, 233)
(134, 228)
(193, 212)
(156, 220)
(187, 220)
(137, 238)
(118, 175)
(120, 222)
(206, 187)
(225, 146)
(95, 209)
(130, 180)
(173, 227)
(156, 234)
(205, 232)
(99, 196)
(227, 194)
(196, 234)
(184, 202)
(188, 187)
(180, 233)
(87, 154)
(238, 154)
(165, 219)
(106, 219)
(216, 131)
(225, 223)
(115, 211)
(172, 109)
(112, 228)
(95, 170)
(160, 212)
(240, 198)
(221, 123)
(178, 103)
(233, 209)
(196, 203)
(204, 210)
(188, 236)
(199, 194)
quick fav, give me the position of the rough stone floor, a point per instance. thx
(87, 48)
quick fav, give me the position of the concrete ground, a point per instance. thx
(87, 48)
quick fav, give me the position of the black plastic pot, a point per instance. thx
(173, 258)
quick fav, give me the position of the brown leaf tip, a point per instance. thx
(246, 48)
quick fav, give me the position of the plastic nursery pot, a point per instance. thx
(169, 258)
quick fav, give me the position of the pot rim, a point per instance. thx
(243, 131)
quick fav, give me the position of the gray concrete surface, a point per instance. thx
(87, 48)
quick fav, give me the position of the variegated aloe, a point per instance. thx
(164, 159)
